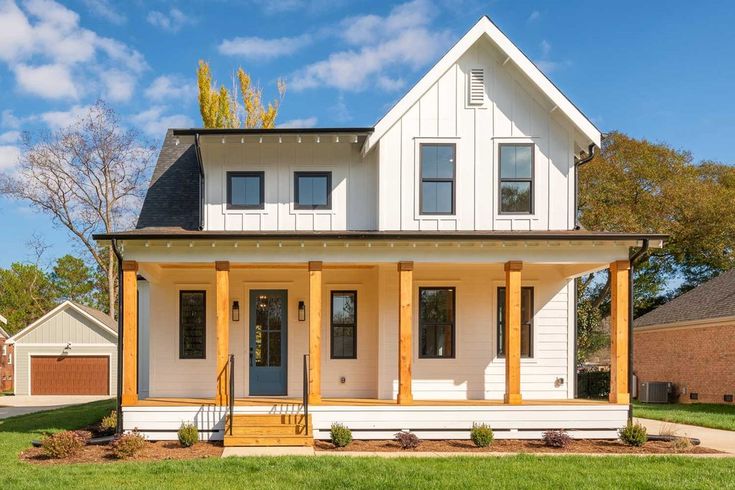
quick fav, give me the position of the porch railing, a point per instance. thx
(231, 391)
(306, 394)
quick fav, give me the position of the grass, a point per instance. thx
(524, 471)
(713, 415)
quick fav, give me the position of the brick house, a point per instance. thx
(6, 359)
(690, 341)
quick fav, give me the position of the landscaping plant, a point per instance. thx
(108, 424)
(682, 444)
(63, 444)
(128, 445)
(188, 435)
(407, 440)
(341, 435)
(482, 435)
(633, 434)
(556, 438)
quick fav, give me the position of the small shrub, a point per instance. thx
(341, 435)
(667, 429)
(108, 424)
(188, 435)
(633, 434)
(482, 435)
(556, 438)
(128, 445)
(407, 440)
(63, 444)
(681, 444)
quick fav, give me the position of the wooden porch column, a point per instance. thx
(222, 296)
(405, 317)
(130, 332)
(315, 332)
(619, 390)
(512, 334)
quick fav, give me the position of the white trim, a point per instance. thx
(703, 323)
(110, 380)
(61, 307)
(484, 27)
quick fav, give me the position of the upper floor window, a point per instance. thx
(526, 322)
(438, 172)
(516, 178)
(344, 325)
(436, 322)
(192, 324)
(245, 190)
(312, 190)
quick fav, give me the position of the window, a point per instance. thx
(436, 322)
(192, 324)
(516, 178)
(437, 178)
(344, 325)
(526, 322)
(312, 190)
(245, 190)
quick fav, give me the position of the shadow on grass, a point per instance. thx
(67, 418)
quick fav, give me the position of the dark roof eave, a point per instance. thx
(245, 131)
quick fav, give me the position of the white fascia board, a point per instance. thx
(485, 27)
(62, 306)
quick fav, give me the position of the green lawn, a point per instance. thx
(342, 472)
(712, 415)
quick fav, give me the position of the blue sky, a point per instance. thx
(660, 70)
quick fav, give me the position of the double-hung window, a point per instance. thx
(516, 178)
(312, 190)
(526, 322)
(245, 190)
(438, 172)
(192, 324)
(344, 325)
(436, 322)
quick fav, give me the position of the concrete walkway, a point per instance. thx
(722, 440)
(10, 406)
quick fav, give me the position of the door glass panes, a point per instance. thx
(268, 310)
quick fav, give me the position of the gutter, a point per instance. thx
(631, 283)
(120, 333)
(198, 152)
(590, 156)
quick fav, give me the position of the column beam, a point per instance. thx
(405, 330)
(619, 389)
(315, 332)
(130, 332)
(512, 334)
(222, 294)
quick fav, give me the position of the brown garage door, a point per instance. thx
(70, 375)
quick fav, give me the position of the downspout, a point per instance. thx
(120, 332)
(631, 283)
(590, 156)
(198, 152)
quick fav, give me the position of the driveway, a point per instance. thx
(10, 406)
(722, 440)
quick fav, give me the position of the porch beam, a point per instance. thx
(222, 294)
(130, 332)
(512, 337)
(619, 390)
(405, 317)
(315, 332)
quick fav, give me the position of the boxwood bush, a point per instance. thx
(188, 435)
(341, 435)
(482, 435)
(633, 434)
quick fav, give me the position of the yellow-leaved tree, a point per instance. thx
(220, 108)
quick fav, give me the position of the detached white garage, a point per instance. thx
(71, 350)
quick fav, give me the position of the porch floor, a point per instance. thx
(270, 401)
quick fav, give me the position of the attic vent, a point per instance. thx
(476, 86)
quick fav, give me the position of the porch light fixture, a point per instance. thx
(235, 311)
(302, 311)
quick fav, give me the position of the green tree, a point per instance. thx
(74, 280)
(26, 294)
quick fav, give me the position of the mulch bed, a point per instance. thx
(153, 451)
(516, 446)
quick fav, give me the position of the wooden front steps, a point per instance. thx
(268, 430)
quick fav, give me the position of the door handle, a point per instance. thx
(251, 356)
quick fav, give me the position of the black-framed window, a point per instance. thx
(343, 326)
(526, 321)
(516, 178)
(438, 172)
(192, 324)
(245, 190)
(312, 190)
(436, 322)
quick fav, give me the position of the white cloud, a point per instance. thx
(171, 87)
(9, 156)
(545, 48)
(259, 48)
(545, 63)
(10, 137)
(9, 120)
(534, 16)
(390, 84)
(15, 32)
(104, 9)
(308, 122)
(154, 123)
(172, 21)
(119, 85)
(403, 39)
(48, 81)
(61, 119)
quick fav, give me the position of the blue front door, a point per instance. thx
(268, 341)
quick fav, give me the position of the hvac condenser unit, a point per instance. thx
(655, 392)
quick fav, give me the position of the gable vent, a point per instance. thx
(476, 87)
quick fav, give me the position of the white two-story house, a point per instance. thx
(415, 275)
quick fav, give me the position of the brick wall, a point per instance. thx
(698, 359)
(6, 369)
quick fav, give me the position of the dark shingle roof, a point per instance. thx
(173, 194)
(713, 299)
(102, 317)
